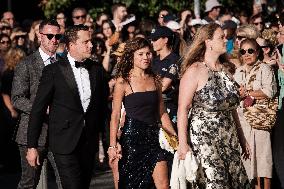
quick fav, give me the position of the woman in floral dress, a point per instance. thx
(215, 135)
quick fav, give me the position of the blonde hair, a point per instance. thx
(13, 57)
(248, 31)
(197, 49)
(270, 37)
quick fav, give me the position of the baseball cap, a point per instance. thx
(210, 4)
(173, 25)
(169, 17)
(229, 24)
(160, 31)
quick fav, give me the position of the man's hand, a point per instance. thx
(33, 157)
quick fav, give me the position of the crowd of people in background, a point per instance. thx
(205, 80)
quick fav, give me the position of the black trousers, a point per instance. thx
(75, 169)
(30, 175)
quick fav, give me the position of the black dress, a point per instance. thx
(140, 141)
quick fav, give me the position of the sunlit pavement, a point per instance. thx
(102, 180)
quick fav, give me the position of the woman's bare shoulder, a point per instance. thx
(194, 69)
(120, 83)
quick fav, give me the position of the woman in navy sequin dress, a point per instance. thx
(142, 164)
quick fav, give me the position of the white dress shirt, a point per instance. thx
(83, 82)
(45, 57)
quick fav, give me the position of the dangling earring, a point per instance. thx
(211, 48)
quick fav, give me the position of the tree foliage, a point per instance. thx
(144, 8)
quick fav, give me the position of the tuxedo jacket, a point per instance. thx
(58, 91)
(24, 87)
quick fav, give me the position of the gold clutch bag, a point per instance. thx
(167, 142)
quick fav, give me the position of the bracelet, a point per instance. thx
(110, 147)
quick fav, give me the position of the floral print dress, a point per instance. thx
(213, 135)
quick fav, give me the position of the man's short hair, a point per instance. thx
(78, 9)
(254, 17)
(115, 6)
(71, 33)
(51, 22)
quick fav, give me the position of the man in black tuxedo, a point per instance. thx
(75, 90)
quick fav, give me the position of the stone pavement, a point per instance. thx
(101, 180)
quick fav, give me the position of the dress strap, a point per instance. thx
(211, 69)
(130, 86)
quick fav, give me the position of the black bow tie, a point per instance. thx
(86, 64)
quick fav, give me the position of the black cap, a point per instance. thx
(169, 17)
(160, 31)
(229, 24)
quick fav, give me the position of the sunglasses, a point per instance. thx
(3, 42)
(78, 17)
(50, 36)
(258, 23)
(20, 36)
(240, 37)
(249, 51)
(5, 28)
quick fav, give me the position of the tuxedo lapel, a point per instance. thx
(68, 74)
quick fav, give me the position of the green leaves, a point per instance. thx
(52, 7)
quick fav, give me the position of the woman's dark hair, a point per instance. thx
(126, 64)
(255, 45)
(98, 42)
(111, 25)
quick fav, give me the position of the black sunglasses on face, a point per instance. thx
(5, 28)
(50, 36)
(77, 17)
(20, 36)
(258, 23)
(240, 37)
(3, 42)
(249, 51)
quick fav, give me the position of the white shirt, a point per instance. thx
(45, 57)
(83, 82)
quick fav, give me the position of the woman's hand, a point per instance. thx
(182, 151)
(114, 152)
(242, 91)
(14, 114)
(119, 152)
(245, 148)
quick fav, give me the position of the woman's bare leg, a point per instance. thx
(257, 184)
(160, 175)
(267, 183)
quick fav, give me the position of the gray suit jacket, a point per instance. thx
(25, 83)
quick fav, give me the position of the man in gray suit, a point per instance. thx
(25, 84)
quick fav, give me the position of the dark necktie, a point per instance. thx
(52, 59)
(85, 64)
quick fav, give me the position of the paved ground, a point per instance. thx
(101, 180)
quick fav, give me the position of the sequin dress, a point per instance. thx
(140, 141)
(213, 135)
